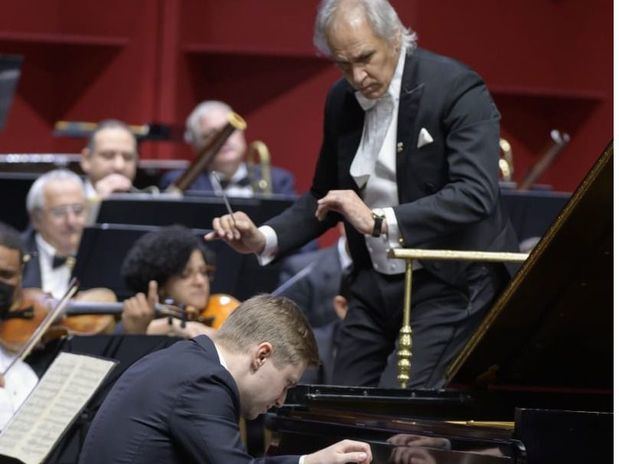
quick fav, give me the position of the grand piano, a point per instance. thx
(533, 384)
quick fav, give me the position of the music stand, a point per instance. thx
(10, 70)
(196, 211)
(103, 248)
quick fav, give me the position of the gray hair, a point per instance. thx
(35, 198)
(192, 125)
(109, 124)
(381, 16)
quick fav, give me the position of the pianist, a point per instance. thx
(182, 404)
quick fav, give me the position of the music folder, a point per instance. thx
(52, 407)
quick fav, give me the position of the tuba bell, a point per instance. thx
(262, 183)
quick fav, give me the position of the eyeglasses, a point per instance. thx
(208, 272)
(62, 211)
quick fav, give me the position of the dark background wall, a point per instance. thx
(548, 64)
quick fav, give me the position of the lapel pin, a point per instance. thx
(400, 147)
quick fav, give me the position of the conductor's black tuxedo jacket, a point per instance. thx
(447, 190)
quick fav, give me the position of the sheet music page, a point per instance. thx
(57, 399)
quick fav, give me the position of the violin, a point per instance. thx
(90, 312)
(218, 308)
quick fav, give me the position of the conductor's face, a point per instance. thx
(367, 61)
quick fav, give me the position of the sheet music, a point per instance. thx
(52, 406)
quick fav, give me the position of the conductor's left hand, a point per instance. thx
(349, 205)
(342, 452)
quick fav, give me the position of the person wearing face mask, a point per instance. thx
(19, 381)
(171, 263)
(182, 404)
(58, 210)
(229, 163)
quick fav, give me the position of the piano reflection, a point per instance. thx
(534, 383)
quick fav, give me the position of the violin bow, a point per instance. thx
(49, 319)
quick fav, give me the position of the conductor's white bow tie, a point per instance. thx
(369, 103)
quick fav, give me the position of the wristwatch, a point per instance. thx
(379, 216)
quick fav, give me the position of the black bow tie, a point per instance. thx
(243, 182)
(58, 261)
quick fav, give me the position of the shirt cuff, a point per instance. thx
(270, 247)
(302, 459)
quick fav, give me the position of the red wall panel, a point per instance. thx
(547, 62)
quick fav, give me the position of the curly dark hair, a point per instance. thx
(160, 255)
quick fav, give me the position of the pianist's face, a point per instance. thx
(192, 285)
(114, 152)
(63, 216)
(267, 385)
(367, 61)
(231, 154)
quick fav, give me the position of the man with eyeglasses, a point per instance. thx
(57, 207)
(109, 160)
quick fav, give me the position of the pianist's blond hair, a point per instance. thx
(277, 320)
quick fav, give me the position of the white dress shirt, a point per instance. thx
(373, 168)
(19, 381)
(54, 281)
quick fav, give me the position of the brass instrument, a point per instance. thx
(506, 160)
(206, 154)
(262, 184)
(558, 142)
(405, 341)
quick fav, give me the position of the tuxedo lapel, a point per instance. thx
(410, 96)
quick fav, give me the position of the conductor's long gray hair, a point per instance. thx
(383, 19)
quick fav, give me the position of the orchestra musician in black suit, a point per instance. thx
(234, 176)
(58, 211)
(109, 160)
(409, 158)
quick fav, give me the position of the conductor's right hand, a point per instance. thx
(239, 232)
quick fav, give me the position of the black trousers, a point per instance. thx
(442, 318)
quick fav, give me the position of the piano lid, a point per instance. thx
(552, 327)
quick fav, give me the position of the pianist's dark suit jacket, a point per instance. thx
(177, 405)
